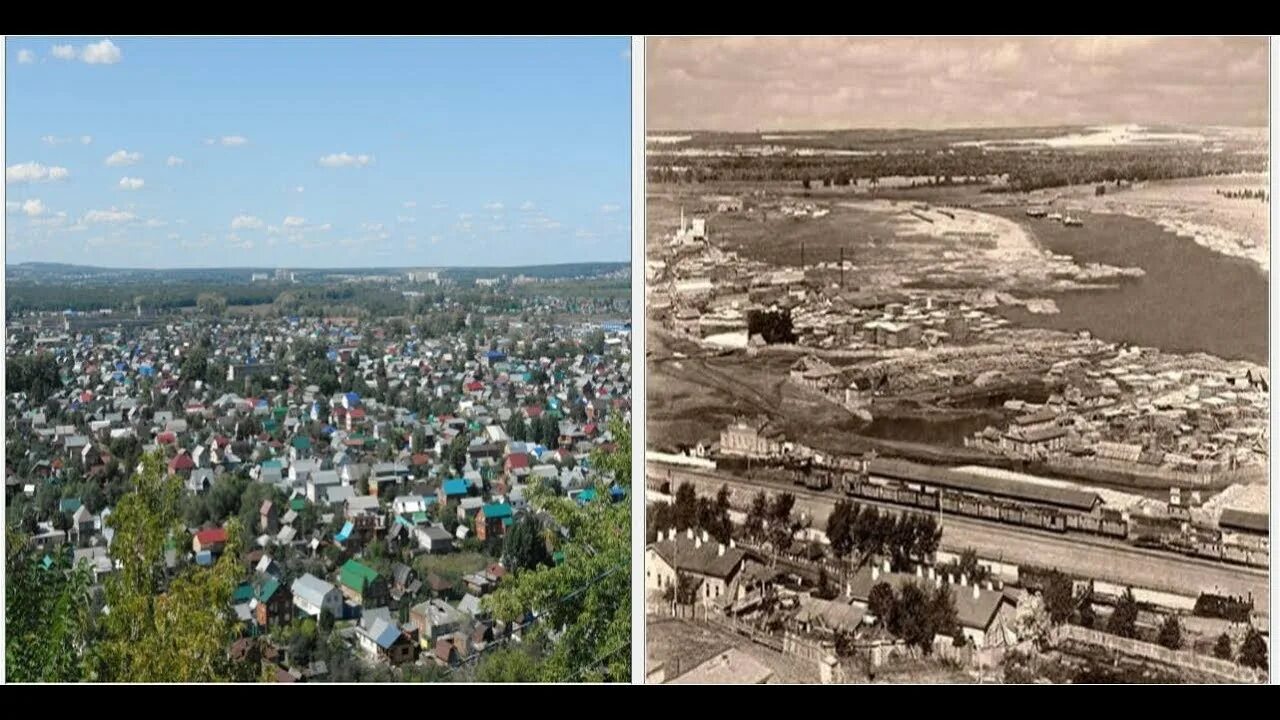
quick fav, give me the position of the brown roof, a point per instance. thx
(701, 558)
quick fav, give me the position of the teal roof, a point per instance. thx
(456, 486)
(268, 589)
(302, 442)
(243, 593)
(496, 510)
(272, 465)
(69, 505)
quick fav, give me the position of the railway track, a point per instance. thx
(1075, 554)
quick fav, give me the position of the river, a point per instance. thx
(1191, 299)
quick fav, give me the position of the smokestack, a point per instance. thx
(697, 542)
(689, 533)
(875, 573)
(720, 550)
(919, 571)
(990, 585)
(733, 543)
(706, 536)
(975, 591)
(964, 579)
(659, 536)
(887, 568)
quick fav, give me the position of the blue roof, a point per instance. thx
(345, 532)
(353, 398)
(456, 486)
(497, 510)
(204, 557)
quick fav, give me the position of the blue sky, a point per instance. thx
(136, 152)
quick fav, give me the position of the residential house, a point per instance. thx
(493, 520)
(713, 567)
(313, 596)
(362, 584)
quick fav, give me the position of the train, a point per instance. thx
(854, 479)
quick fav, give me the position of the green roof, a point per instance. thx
(558, 557)
(268, 589)
(272, 465)
(496, 510)
(69, 505)
(356, 576)
(270, 425)
(297, 504)
(302, 442)
(419, 518)
(280, 412)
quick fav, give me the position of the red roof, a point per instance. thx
(86, 396)
(533, 411)
(212, 536)
(181, 461)
(589, 429)
(517, 461)
(357, 413)
(419, 459)
(166, 437)
(474, 385)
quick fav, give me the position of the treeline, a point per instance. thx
(904, 538)
(1243, 194)
(1027, 170)
(36, 375)
(772, 325)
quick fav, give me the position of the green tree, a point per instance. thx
(158, 629)
(524, 547)
(48, 622)
(586, 599)
(509, 665)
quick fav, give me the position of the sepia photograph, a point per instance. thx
(317, 360)
(956, 360)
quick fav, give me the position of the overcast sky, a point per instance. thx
(747, 84)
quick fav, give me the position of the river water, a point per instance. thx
(1191, 299)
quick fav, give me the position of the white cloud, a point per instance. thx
(410, 203)
(174, 161)
(128, 183)
(123, 157)
(86, 139)
(335, 160)
(101, 53)
(56, 140)
(527, 205)
(109, 216)
(608, 208)
(233, 140)
(300, 189)
(246, 222)
(33, 172)
(293, 221)
(26, 57)
(372, 227)
(33, 207)
(155, 223)
(493, 206)
(236, 242)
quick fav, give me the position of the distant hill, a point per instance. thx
(40, 272)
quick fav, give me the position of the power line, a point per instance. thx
(475, 656)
